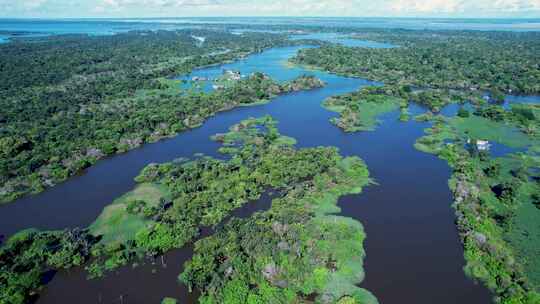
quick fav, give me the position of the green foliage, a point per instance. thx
(169, 301)
(494, 61)
(29, 255)
(359, 110)
(475, 127)
(463, 113)
(68, 101)
(186, 196)
(295, 249)
(496, 217)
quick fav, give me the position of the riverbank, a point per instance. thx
(491, 194)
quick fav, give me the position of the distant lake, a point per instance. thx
(344, 40)
(532, 24)
(42, 27)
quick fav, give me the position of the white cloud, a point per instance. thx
(391, 8)
(463, 7)
(24, 5)
(34, 4)
(426, 6)
(516, 5)
(243, 7)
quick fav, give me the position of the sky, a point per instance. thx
(323, 8)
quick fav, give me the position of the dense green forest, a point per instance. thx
(496, 199)
(173, 201)
(470, 61)
(68, 101)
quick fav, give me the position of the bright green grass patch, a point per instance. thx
(324, 201)
(169, 301)
(116, 224)
(524, 236)
(362, 116)
(483, 128)
(252, 131)
(436, 138)
(172, 89)
(347, 250)
(368, 112)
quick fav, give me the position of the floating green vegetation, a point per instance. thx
(121, 220)
(298, 248)
(404, 115)
(469, 129)
(486, 129)
(309, 247)
(359, 110)
(169, 301)
(524, 235)
(495, 198)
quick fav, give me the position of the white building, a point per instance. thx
(483, 145)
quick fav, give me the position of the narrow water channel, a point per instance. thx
(414, 254)
(413, 251)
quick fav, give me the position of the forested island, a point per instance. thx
(68, 101)
(359, 110)
(71, 100)
(299, 248)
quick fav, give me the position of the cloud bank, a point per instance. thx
(360, 8)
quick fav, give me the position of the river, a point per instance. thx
(413, 251)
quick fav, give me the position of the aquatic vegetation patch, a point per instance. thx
(306, 245)
(121, 220)
(297, 249)
(524, 235)
(494, 199)
(169, 301)
(359, 110)
(486, 129)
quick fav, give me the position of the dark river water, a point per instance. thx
(413, 251)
